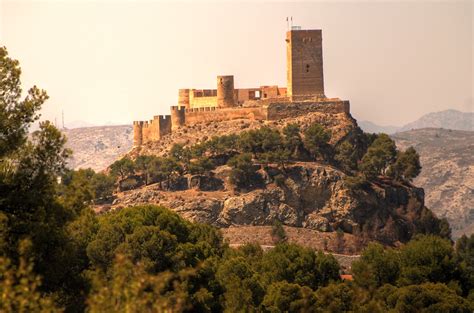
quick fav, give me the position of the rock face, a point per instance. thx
(311, 196)
(447, 175)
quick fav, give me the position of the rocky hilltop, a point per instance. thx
(448, 173)
(97, 147)
(310, 194)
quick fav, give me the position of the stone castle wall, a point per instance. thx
(267, 109)
(153, 130)
(203, 115)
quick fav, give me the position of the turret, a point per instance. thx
(183, 98)
(225, 91)
(137, 133)
(177, 117)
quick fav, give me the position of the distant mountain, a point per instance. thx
(448, 119)
(370, 127)
(98, 147)
(447, 175)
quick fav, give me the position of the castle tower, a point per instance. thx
(177, 117)
(225, 91)
(304, 55)
(183, 98)
(137, 133)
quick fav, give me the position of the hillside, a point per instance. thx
(307, 192)
(446, 175)
(448, 172)
(98, 147)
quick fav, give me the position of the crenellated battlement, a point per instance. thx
(303, 94)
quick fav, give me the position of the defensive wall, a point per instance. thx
(268, 109)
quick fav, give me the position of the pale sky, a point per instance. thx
(119, 61)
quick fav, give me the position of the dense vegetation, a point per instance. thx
(56, 254)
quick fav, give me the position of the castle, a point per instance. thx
(304, 93)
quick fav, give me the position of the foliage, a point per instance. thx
(285, 297)
(259, 141)
(427, 297)
(464, 254)
(122, 168)
(336, 297)
(278, 232)
(316, 140)
(377, 266)
(407, 166)
(20, 289)
(132, 289)
(243, 174)
(292, 141)
(79, 189)
(299, 265)
(16, 114)
(381, 153)
(346, 156)
(201, 166)
(29, 206)
(427, 259)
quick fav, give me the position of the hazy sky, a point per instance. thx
(118, 61)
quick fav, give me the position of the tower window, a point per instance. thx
(307, 68)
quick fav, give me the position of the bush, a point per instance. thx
(243, 174)
(316, 140)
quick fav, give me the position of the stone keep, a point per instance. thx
(304, 55)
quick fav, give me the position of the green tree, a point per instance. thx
(346, 156)
(380, 155)
(154, 236)
(16, 114)
(260, 140)
(334, 298)
(164, 169)
(427, 297)
(377, 266)
(298, 265)
(292, 140)
(132, 289)
(316, 140)
(285, 297)
(122, 168)
(407, 166)
(427, 258)
(81, 188)
(465, 259)
(243, 174)
(201, 166)
(143, 164)
(243, 291)
(226, 144)
(278, 232)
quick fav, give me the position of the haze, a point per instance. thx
(115, 62)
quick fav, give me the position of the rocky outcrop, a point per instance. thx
(311, 196)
